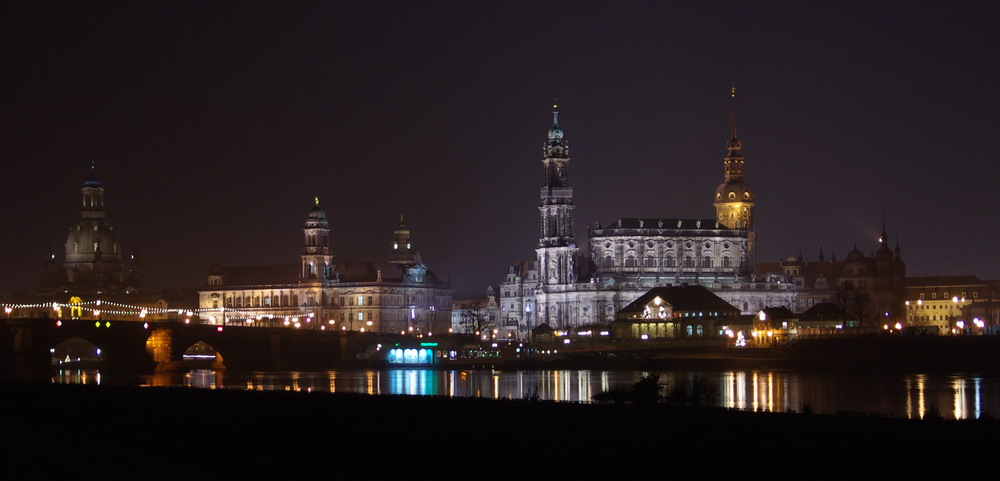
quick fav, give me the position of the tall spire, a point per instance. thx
(92, 180)
(885, 236)
(734, 145)
(555, 113)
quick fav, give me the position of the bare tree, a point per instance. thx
(475, 320)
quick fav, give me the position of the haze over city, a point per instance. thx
(213, 126)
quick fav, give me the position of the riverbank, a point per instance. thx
(167, 432)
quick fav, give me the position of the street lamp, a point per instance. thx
(959, 323)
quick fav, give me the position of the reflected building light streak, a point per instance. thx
(605, 385)
(976, 385)
(331, 377)
(770, 391)
(786, 404)
(741, 390)
(958, 390)
(908, 385)
(921, 400)
(496, 385)
(755, 403)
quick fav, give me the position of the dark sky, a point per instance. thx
(213, 125)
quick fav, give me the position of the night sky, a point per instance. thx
(213, 126)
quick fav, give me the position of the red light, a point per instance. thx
(58, 323)
(219, 329)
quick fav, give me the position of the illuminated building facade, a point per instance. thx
(401, 295)
(674, 312)
(483, 313)
(952, 304)
(632, 255)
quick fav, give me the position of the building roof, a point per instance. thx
(665, 224)
(780, 312)
(522, 268)
(681, 298)
(826, 311)
(347, 271)
(351, 271)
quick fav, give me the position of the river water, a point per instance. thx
(951, 396)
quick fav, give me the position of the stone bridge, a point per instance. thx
(138, 348)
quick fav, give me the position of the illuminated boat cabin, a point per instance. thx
(675, 312)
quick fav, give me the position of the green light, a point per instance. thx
(428, 344)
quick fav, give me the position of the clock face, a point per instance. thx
(395, 245)
(407, 245)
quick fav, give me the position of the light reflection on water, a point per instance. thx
(955, 396)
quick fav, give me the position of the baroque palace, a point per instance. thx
(630, 256)
(398, 295)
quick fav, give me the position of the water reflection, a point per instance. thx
(911, 396)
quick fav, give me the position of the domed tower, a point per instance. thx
(93, 255)
(317, 258)
(556, 243)
(734, 200)
(402, 245)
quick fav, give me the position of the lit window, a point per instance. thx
(361, 316)
(361, 301)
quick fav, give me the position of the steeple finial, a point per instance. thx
(732, 95)
(734, 145)
(316, 200)
(400, 217)
(555, 113)
(92, 179)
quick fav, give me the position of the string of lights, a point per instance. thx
(96, 307)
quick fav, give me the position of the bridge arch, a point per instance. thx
(76, 360)
(202, 355)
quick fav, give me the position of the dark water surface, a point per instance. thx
(951, 396)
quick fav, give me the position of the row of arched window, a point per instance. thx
(263, 301)
(670, 261)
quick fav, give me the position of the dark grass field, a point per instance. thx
(64, 432)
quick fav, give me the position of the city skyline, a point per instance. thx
(213, 129)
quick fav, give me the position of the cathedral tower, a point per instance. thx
(734, 200)
(556, 243)
(402, 246)
(317, 258)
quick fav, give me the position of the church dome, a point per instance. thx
(316, 213)
(855, 256)
(734, 191)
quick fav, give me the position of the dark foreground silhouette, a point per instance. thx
(64, 430)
